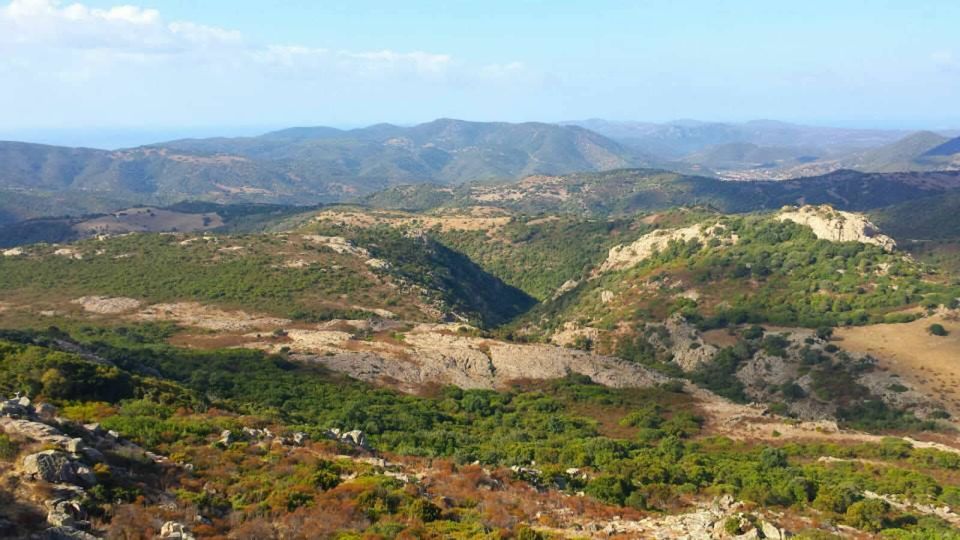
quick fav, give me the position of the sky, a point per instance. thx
(241, 66)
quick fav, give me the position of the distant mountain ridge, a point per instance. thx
(683, 137)
(306, 165)
(947, 148)
(312, 165)
(772, 150)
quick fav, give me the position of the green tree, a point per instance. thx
(868, 514)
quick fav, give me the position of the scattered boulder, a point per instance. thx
(355, 437)
(74, 446)
(771, 531)
(172, 530)
(226, 439)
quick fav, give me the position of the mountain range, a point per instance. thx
(772, 150)
(310, 165)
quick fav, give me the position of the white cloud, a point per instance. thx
(125, 33)
(75, 64)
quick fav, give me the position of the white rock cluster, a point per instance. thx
(838, 226)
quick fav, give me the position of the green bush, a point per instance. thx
(937, 329)
(868, 515)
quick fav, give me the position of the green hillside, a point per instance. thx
(298, 166)
(284, 275)
(773, 272)
(627, 191)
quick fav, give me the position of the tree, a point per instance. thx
(609, 489)
(836, 498)
(867, 514)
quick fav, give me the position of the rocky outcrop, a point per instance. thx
(338, 244)
(706, 522)
(65, 472)
(837, 225)
(625, 256)
(172, 530)
(354, 437)
(106, 305)
(58, 468)
(431, 355)
(258, 435)
(683, 343)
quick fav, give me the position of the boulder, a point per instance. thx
(85, 475)
(37, 431)
(299, 438)
(356, 438)
(771, 531)
(51, 466)
(74, 446)
(12, 408)
(60, 519)
(172, 530)
(92, 455)
(226, 439)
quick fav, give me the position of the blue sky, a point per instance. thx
(239, 65)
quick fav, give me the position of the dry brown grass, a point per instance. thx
(929, 363)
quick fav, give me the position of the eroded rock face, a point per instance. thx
(430, 356)
(685, 344)
(838, 226)
(107, 305)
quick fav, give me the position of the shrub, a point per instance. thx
(868, 514)
(937, 329)
(609, 489)
(836, 498)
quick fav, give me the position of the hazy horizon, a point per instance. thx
(113, 138)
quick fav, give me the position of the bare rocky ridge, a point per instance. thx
(437, 354)
(626, 256)
(825, 222)
(838, 226)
